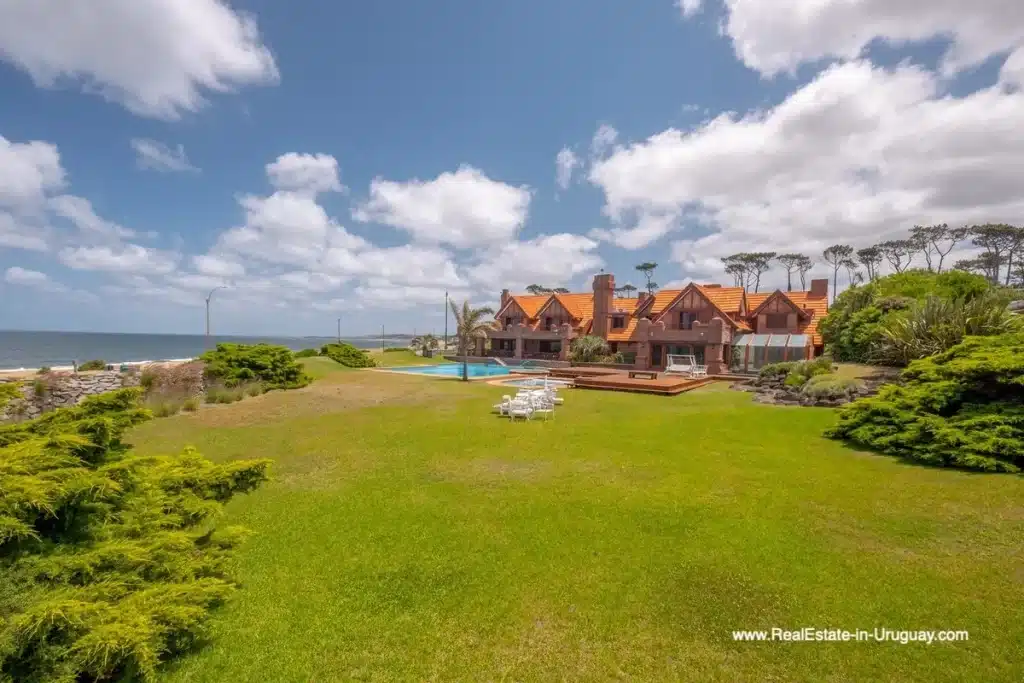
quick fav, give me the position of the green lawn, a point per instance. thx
(410, 535)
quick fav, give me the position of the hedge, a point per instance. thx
(273, 366)
(961, 408)
(110, 562)
(348, 355)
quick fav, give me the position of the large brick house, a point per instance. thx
(723, 327)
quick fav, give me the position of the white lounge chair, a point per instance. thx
(699, 371)
(521, 409)
(543, 407)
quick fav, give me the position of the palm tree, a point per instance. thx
(427, 342)
(470, 323)
(588, 349)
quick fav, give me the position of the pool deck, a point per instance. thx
(619, 380)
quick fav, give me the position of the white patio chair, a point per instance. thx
(542, 407)
(699, 371)
(521, 409)
(502, 407)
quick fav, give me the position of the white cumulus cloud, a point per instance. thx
(463, 209)
(158, 58)
(776, 37)
(313, 173)
(858, 154)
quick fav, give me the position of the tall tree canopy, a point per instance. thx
(648, 268)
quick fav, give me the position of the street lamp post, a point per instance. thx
(339, 330)
(446, 321)
(208, 297)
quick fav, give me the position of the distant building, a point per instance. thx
(723, 327)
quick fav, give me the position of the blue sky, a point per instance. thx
(358, 160)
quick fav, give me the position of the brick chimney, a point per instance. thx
(641, 297)
(819, 288)
(604, 293)
(505, 296)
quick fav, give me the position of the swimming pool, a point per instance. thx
(455, 370)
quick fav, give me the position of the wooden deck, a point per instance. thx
(619, 380)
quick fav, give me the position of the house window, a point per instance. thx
(686, 320)
(508, 321)
(547, 322)
(614, 347)
(776, 321)
(618, 322)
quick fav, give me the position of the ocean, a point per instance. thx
(19, 349)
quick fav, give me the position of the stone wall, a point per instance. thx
(59, 390)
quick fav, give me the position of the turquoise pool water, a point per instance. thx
(455, 370)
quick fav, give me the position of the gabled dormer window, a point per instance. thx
(508, 321)
(618, 322)
(686, 320)
(548, 322)
(776, 321)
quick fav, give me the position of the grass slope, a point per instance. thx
(409, 535)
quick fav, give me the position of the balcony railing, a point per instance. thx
(500, 353)
(537, 355)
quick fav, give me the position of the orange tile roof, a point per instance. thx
(530, 304)
(578, 305)
(628, 305)
(626, 333)
(661, 300)
(818, 307)
(755, 300)
(726, 298)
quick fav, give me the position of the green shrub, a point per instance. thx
(40, 389)
(773, 370)
(190, 404)
(394, 349)
(795, 379)
(165, 407)
(589, 349)
(273, 366)
(147, 380)
(307, 353)
(830, 387)
(960, 408)
(110, 562)
(796, 372)
(348, 355)
(93, 365)
(853, 328)
(255, 389)
(45, 370)
(936, 324)
(8, 392)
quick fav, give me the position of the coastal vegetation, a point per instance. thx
(960, 408)
(348, 355)
(904, 316)
(93, 365)
(272, 366)
(110, 561)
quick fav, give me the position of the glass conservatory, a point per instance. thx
(750, 352)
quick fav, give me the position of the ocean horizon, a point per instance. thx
(22, 349)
